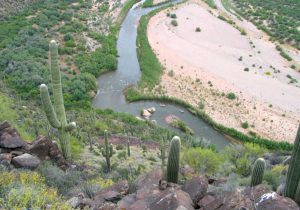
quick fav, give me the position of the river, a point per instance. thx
(110, 85)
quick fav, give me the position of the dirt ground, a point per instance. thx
(209, 64)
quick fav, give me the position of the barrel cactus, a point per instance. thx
(173, 160)
(107, 151)
(293, 174)
(258, 172)
(56, 114)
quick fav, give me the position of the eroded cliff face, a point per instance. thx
(10, 7)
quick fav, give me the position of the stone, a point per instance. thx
(74, 202)
(151, 110)
(4, 125)
(172, 199)
(46, 149)
(196, 188)
(26, 161)
(209, 202)
(5, 158)
(186, 170)
(9, 138)
(108, 206)
(146, 114)
(127, 201)
(112, 196)
(272, 201)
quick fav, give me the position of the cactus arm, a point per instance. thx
(56, 83)
(293, 174)
(70, 126)
(173, 160)
(48, 108)
(258, 172)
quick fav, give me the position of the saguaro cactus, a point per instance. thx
(258, 172)
(56, 114)
(173, 160)
(128, 148)
(293, 175)
(107, 152)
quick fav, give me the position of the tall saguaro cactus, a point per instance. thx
(293, 175)
(107, 152)
(173, 160)
(258, 172)
(56, 114)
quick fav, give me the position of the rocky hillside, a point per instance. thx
(8, 7)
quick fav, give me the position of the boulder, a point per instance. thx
(172, 199)
(9, 137)
(196, 188)
(235, 200)
(151, 110)
(272, 201)
(45, 149)
(146, 114)
(74, 202)
(209, 202)
(113, 193)
(127, 201)
(186, 170)
(26, 161)
(108, 206)
(5, 158)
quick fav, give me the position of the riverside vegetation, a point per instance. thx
(97, 165)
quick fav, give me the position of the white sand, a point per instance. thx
(212, 55)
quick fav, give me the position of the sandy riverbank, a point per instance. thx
(213, 61)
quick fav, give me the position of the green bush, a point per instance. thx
(174, 23)
(231, 96)
(201, 159)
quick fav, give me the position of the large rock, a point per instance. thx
(45, 149)
(196, 188)
(151, 110)
(26, 161)
(9, 137)
(209, 202)
(113, 193)
(172, 199)
(146, 114)
(272, 201)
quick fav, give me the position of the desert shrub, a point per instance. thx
(90, 189)
(201, 159)
(27, 189)
(245, 125)
(171, 73)
(174, 23)
(231, 96)
(243, 166)
(119, 147)
(57, 178)
(198, 29)
(122, 155)
(174, 16)
(274, 176)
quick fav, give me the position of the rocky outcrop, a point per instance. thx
(196, 188)
(9, 137)
(46, 149)
(18, 153)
